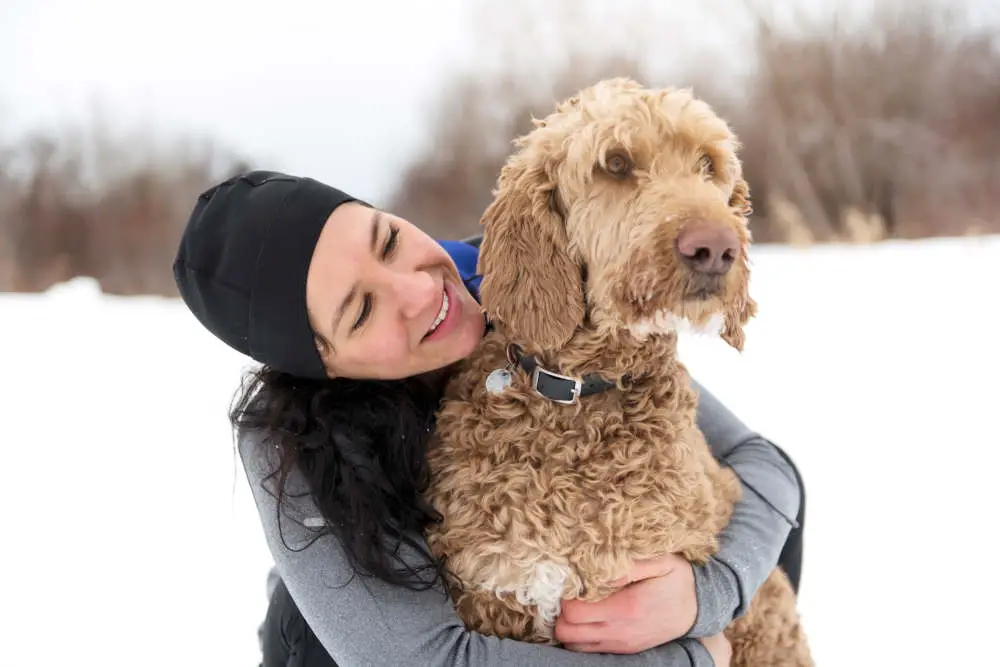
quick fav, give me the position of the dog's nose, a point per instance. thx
(708, 247)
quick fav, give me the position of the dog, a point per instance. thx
(566, 446)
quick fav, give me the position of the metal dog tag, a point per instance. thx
(497, 381)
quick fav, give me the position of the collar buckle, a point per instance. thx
(555, 387)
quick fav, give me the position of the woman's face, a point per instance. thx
(385, 300)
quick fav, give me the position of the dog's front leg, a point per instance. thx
(516, 593)
(771, 631)
(501, 615)
(597, 574)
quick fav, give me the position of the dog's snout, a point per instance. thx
(708, 247)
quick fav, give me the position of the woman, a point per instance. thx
(356, 316)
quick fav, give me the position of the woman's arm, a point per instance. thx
(363, 621)
(762, 519)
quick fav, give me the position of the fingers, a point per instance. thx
(604, 647)
(581, 634)
(654, 567)
(596, 622)
(594, 647)
(576, 612)
(615, 606)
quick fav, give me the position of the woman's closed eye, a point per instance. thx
(367, 302)
(391, 242)
(366, 309)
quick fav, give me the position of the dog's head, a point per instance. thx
(626, 208)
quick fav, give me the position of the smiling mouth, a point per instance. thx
(442, 314)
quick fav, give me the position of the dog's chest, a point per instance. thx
(620, 442)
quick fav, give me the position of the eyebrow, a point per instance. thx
(339, 314)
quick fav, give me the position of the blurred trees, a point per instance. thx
(881, 124)
(855, 128)
(99, 204)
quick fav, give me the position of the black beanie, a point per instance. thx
(242, 263)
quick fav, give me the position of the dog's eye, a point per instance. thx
(618, 165)
(705, 166)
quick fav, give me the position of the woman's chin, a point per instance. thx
(464, 338)
(458, 335)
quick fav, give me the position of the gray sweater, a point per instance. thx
(364, 622)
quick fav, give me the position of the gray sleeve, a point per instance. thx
(750, 545)
(363, 621)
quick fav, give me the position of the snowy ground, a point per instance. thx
(130, 537)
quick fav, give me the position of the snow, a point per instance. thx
(130, 537)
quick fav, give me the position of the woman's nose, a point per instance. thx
(416, 291)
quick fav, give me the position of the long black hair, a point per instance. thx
(361, 447)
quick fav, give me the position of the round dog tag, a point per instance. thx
(498, 380)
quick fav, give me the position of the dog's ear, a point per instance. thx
(740, 313)
(740, 199)
(735, 319)
(531, 286)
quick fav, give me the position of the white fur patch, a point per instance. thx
(543, 587)
(664, 321)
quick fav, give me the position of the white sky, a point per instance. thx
(337, 89)
(276, 83)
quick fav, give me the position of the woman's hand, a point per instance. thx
(718, 647)
(657, 605)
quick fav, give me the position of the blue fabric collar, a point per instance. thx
(465, 257)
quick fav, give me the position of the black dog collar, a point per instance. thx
(556, 387)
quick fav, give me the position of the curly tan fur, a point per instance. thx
(543, 501)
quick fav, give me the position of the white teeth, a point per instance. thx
(443, 313)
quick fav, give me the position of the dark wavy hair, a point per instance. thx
(361, 447)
